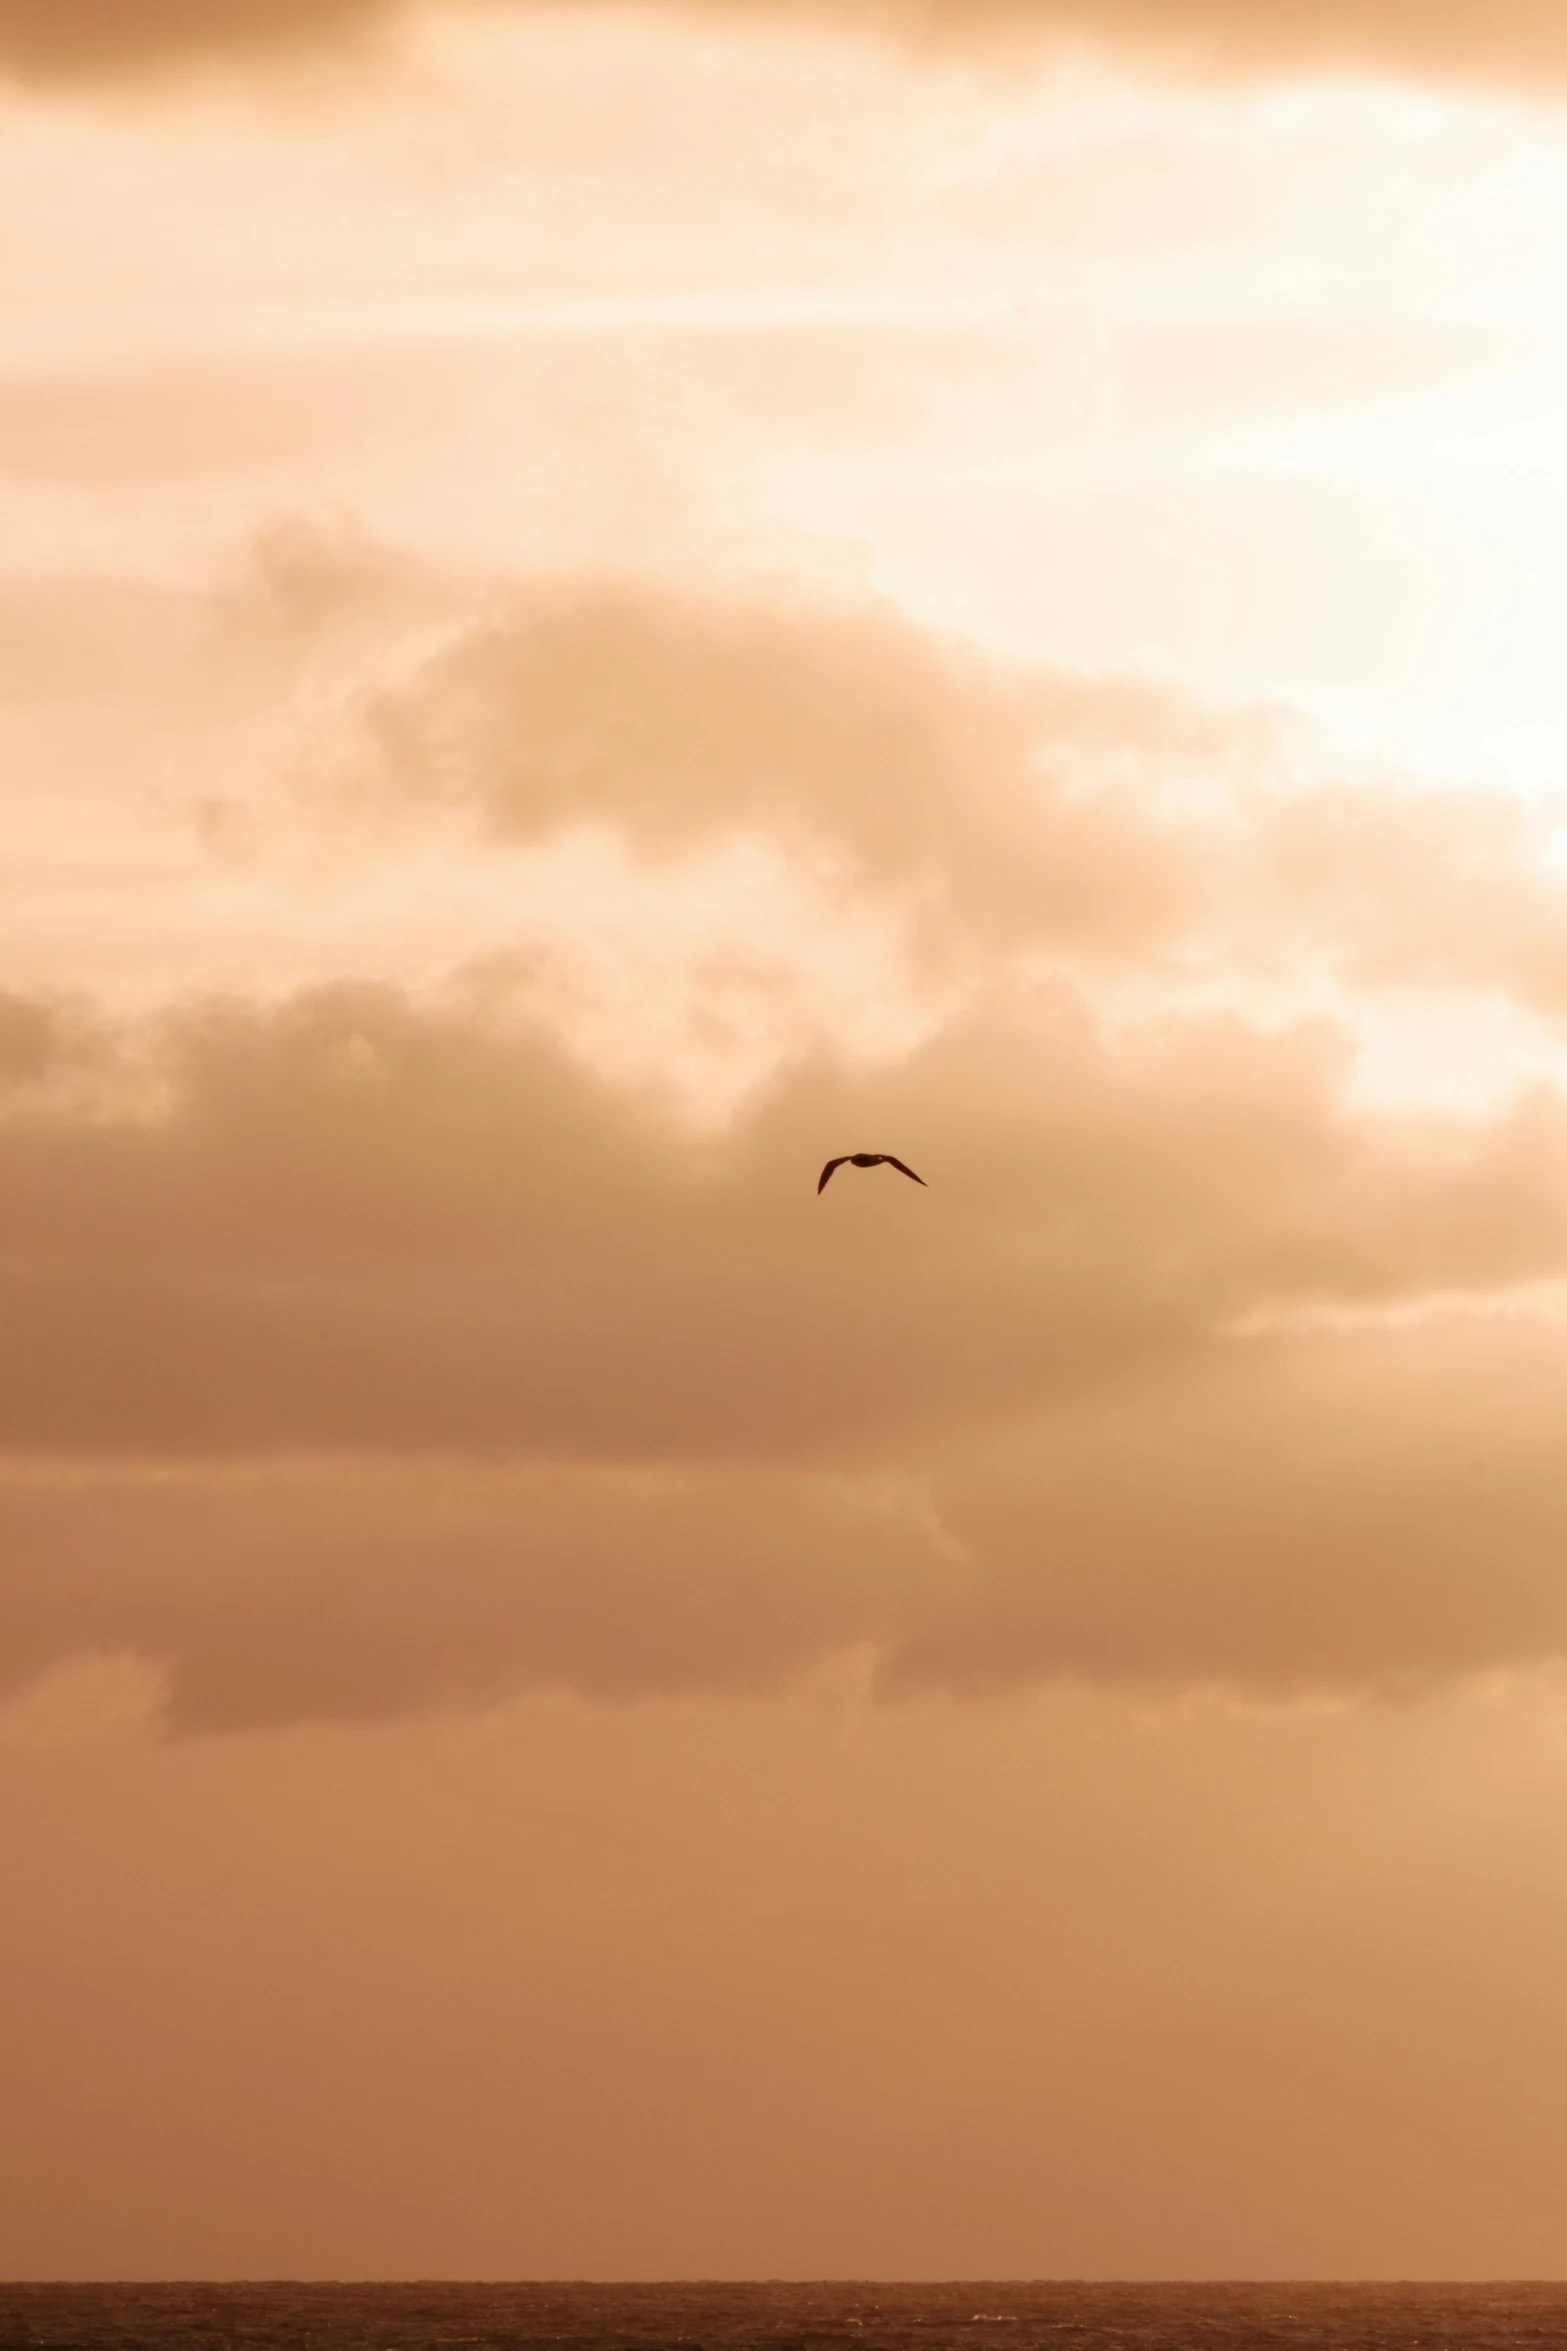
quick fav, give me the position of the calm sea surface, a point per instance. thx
(1012, 2317)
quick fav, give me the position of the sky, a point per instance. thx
(598, 606)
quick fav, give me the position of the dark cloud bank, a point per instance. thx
(591, 1402)
(353, 1223)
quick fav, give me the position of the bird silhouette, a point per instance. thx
(866, 1159)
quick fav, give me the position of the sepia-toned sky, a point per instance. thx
(598, 606)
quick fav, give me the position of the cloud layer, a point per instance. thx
(595, 1401)
(1359, 1512)
(351, 1223)
(1109, 821)
(1518, 42)
(681, 719)
(366, 1350)
(98, 37)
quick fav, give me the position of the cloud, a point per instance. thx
(1376, 1506)
(1369, 1510)
(360, 1356)
(1026, 797)
(35, 1039)
(364, 1352)
(101, 37)
(1110, 821)
(347, 1222)
(1519, 42)
(1445, 890)
(362, 1592)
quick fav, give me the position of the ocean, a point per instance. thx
(1055, 2316)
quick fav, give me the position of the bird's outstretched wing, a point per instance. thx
(821, 1181)
(902, 1170)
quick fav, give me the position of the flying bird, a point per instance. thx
(866, 1159)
